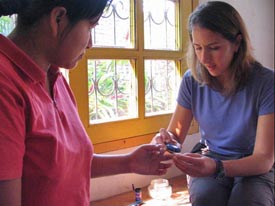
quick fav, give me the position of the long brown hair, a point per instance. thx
(221, 18)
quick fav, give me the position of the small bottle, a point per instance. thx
(138, 195)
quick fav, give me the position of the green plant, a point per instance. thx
(6, 24)
(109, 90)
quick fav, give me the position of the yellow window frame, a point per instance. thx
(127, 133)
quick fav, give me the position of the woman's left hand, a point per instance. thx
(149, 159)
(194, 164)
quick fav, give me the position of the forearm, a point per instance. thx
(104, 165)
(180, 123)
(176, 134)
(262, 159)
(248, 166)
(146, 159)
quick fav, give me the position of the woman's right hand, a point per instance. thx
(164, 137)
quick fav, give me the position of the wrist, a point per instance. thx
(130, 164)
(219, 172)
(172, 135)
(174, 139)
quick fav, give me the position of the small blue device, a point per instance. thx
(173, 148)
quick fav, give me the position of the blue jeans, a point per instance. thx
(232, 191)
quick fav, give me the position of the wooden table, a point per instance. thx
(179, 196)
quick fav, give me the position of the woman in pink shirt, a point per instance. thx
(46, 157)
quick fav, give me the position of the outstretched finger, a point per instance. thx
(184, 159)
(193, 155)
(154, 150)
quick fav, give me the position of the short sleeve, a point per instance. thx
(266, 100)
(12, 130)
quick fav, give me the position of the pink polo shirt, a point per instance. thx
(42, 139)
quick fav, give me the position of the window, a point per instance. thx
(161, 86)
(111, 90)
(159, 22)
(126, 85)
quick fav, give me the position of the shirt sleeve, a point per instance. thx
(12, 130)
(266, 100)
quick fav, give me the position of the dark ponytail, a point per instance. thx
(9, 7)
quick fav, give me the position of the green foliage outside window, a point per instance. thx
(111, 93)
(7, 23)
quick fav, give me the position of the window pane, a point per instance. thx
(115, 26)
(112, 90)
(161, 86)
(160, 24)
(7, 24)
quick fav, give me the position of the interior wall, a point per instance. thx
(259, 19)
